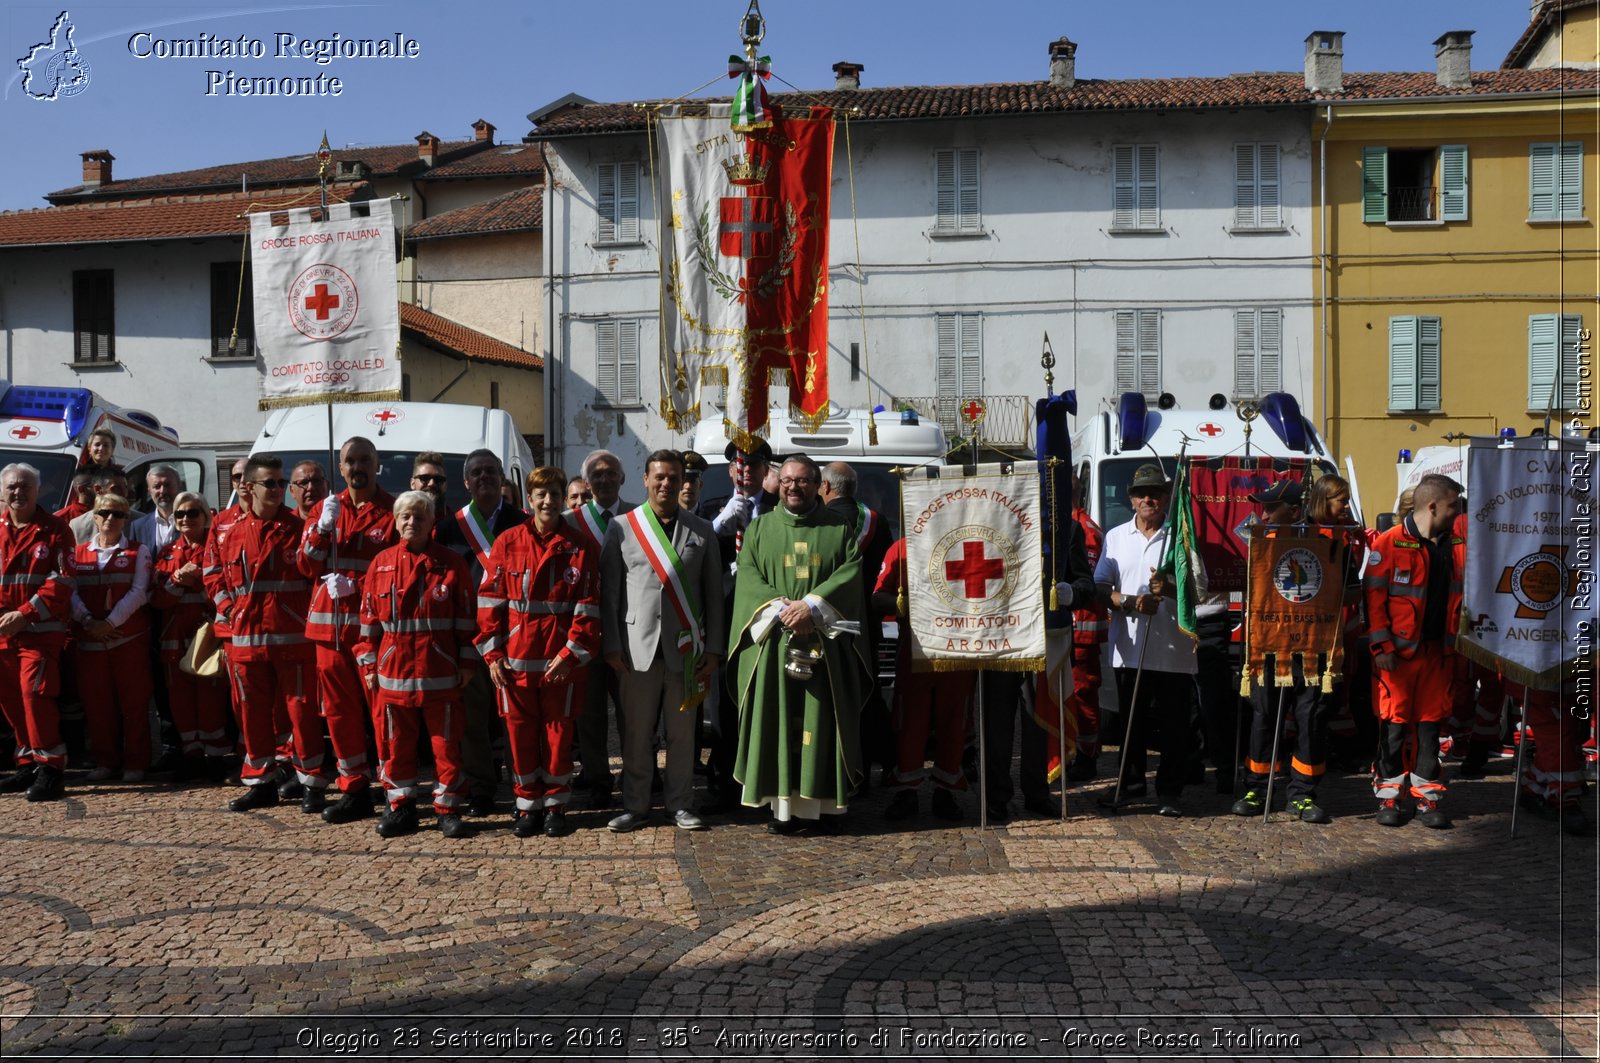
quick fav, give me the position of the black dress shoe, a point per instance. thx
(19, 780)
(527, 824)
(48, 784)
(451, 825)
(262, 796)
(312, 801)
(402, 819)
(291, 790)
(1169, 808)
(555, 822)
(354, 805)
(786, 827)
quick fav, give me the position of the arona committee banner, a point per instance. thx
(1528, 607)
(327, 321)
(974, 573)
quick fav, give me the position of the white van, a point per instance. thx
(401, 431)
(49, 428)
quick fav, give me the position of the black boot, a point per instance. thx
(354, 805)
(48, 784)
(402, 819)
(18, 780)
(313, 800)
(263, 796)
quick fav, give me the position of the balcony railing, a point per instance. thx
(1007, 423)
(1413, 204)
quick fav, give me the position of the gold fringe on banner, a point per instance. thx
(1550, 679)
(325, 400)
(946, 664)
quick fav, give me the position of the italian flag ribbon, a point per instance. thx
(750, 99)
(668, 568)
(868, 524)
(593, 521)
(478, 532)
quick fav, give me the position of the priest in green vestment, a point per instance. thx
(801, 677)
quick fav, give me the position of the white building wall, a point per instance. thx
(491, 284)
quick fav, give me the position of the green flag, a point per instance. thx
(1181, 561)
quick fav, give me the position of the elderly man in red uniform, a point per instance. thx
(259, 592)
(36, 584)
(539, 625)
(1413, 593)
(418, 619)
(343, 534)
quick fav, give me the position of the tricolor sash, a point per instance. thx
(594, 521)
(867, 525)
(668, 568)
(477, 531)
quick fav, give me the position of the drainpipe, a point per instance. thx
(1322, 188)
(554, 426)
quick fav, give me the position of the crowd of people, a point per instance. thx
(341, 649)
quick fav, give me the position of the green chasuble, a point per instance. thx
(799, 740)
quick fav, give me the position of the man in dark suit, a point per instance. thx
(662, 611)
(471, 532)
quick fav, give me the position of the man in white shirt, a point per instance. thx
(156, 529)
(1145, 636)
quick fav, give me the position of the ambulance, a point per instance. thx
(49, 427)
(400, 431)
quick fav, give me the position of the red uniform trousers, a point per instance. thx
(1556, 773)
(1086, 689)
(1412, 700)
(270, 697)
(30, 679)
(402, 727)
(199, 712)
(541, 722)
(939, 699)
(116, 688)
(347, 705)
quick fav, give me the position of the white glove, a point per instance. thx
(339, 585)
(329, 519)
(1064, 593)
(734, 515)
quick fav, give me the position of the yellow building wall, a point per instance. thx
(1578, 41)
(1482, 278)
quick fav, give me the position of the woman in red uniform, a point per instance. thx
(113, 632)
(415, 653)
(199, 703)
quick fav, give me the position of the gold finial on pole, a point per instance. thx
(1047, 359)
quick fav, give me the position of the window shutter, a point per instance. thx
(1149, 214)
(971, 355)
(1541, 181)
(1127, 355)
(93, 315)
(967, 190)
(1375, 185)
(628, 362)
(944, 184)
(1149, 340)
(1402, 363)
(1244, 353)
(1543, 358)
(605, 361)
(605, 202)
(1268, 200)
(1569, 180)
(627, 201)
(1244, 189)
(1123, 196)
(1269, 351)
(948, 370)
(1428, 390)
(1453, 182)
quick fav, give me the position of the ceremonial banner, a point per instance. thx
(1221, 490)
(327, 319)
(975, 583)
(1181, 559)
(744, 267)
(1295, 608)
(1528, 607)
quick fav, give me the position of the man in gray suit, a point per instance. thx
(661, 571)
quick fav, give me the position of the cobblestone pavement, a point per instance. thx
(144, 919)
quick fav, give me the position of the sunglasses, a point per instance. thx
(181, 513)
(423, 479)
(112, 514)
(271, 485)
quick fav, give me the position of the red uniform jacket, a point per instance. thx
(1396, 589)
(892, 580)
(417, 624)
(37, 575)
(183, 609)
(257, 587)
(540, 600)
(219, 524)
(100, 589)
(1091, 626)
(360, 536)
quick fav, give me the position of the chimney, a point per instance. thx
(847, 75)
(97, 168)
(427, 147)
(1325, 61)
(1453, 54)
(482, 131)
(1063, 63)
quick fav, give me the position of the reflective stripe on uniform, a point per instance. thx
(407, 686)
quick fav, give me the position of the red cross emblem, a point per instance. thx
(321, 301)
(1210, 429)
(748, 224)
(383, 415)
(973, 410)
(975, 570)
(24, 431)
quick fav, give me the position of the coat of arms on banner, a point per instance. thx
(975, 570)
(745, 267)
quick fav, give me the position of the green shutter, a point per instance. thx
(1453, 182)
(1428, 389)
(1569, 177)
(1543, 359)
(1374, 184)
(1402, 363)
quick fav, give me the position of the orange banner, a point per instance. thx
(1294, 607)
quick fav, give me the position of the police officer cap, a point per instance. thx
(1282, 493)
(693, 463)
(1148, 476)
(760, 454)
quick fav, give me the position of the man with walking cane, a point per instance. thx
(1154, 661)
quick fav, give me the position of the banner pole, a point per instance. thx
(1516, 777)
(983, 764)
(1061, 737)
(1272, 769)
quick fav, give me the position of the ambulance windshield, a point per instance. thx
(55, 474)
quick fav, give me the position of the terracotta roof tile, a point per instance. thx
(514, 212)
(1143, 94)
(439, 331)
(164, 218)
(385, 161)
(502, 160)
(1525, 43)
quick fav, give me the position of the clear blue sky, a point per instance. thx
(498, 60)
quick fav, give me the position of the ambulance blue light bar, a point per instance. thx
(68, 405)
(1133, 425)
(1282, 414)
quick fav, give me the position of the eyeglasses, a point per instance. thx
(314, 481)
(272, 485)
(236, 477)
(483, 474)
(796, 481)
(180, 514)
(423, 478)
(112, 514)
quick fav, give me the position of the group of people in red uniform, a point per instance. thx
(354, 623)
